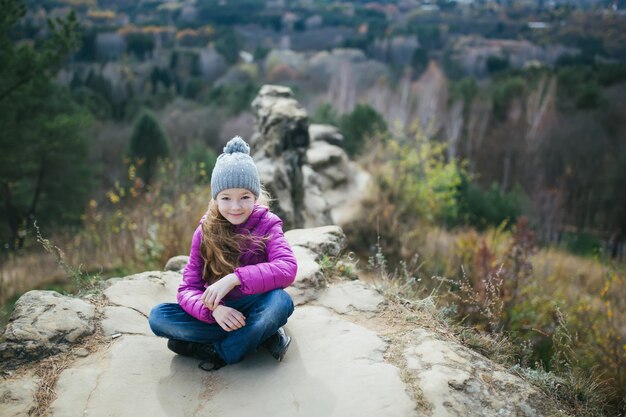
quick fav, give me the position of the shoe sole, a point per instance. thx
(281, 353)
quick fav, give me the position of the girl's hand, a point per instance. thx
(228, 318)
(216, 291)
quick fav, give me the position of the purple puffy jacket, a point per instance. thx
(258, 272)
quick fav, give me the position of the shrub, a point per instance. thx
(197, 164)
(363, 122)
(487, 208)
(414, 186)
(325, 114)
(235, 98)
(581, 243)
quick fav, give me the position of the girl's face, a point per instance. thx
(235, 204)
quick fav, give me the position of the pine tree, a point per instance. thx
(44, 173)
(148, 144)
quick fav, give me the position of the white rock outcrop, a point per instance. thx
(346, 359)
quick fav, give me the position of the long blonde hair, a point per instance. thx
(221, 246)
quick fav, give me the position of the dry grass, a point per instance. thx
(591, 292)
(22, 273)
(131, 232)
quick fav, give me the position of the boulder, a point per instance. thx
(326, 240)
(458, 381)
(176, 263)
(326, 133)
(44, 323)
(322, 155)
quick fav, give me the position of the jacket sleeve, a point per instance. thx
(192, 286)
(278, 272)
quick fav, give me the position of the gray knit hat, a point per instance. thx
(235, 169)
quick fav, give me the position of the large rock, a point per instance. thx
(280, 143)
(323, 155)
(138, 377)
(177, 263)
(44, 323)
(326, 240)
(309, 246)
(312, 180)
(308, 279)
(387, 368)
(458, 381)
(326, 133)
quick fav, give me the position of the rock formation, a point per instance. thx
(308, 174)
(279, 150)
(354, 352)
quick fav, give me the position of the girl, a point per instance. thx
(231, 298)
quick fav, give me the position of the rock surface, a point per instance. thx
(346, 359)
(326, 240)
(17, 396)
(326, 133)
(458, 381)
(44, 323)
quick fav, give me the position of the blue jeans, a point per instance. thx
(264, 313)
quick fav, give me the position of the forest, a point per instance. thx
(495, 133)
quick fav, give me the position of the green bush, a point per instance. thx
(364, 121)
(581, 243)
(197, 164)
(235, 98)
(325, 114)
(487, 208)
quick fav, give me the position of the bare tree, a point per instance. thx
(540, 104)
(342, 88)
(432, 91)
(453, 127)
(479, 116)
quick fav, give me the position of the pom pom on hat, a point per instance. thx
(235, 169)
(237, 144)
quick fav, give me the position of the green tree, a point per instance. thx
(228, 44)
(325, 114)
(358, 125)
(139, 44)
(148, 144)
(43, 169)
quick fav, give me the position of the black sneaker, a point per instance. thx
(211, 360)
(277, 344)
